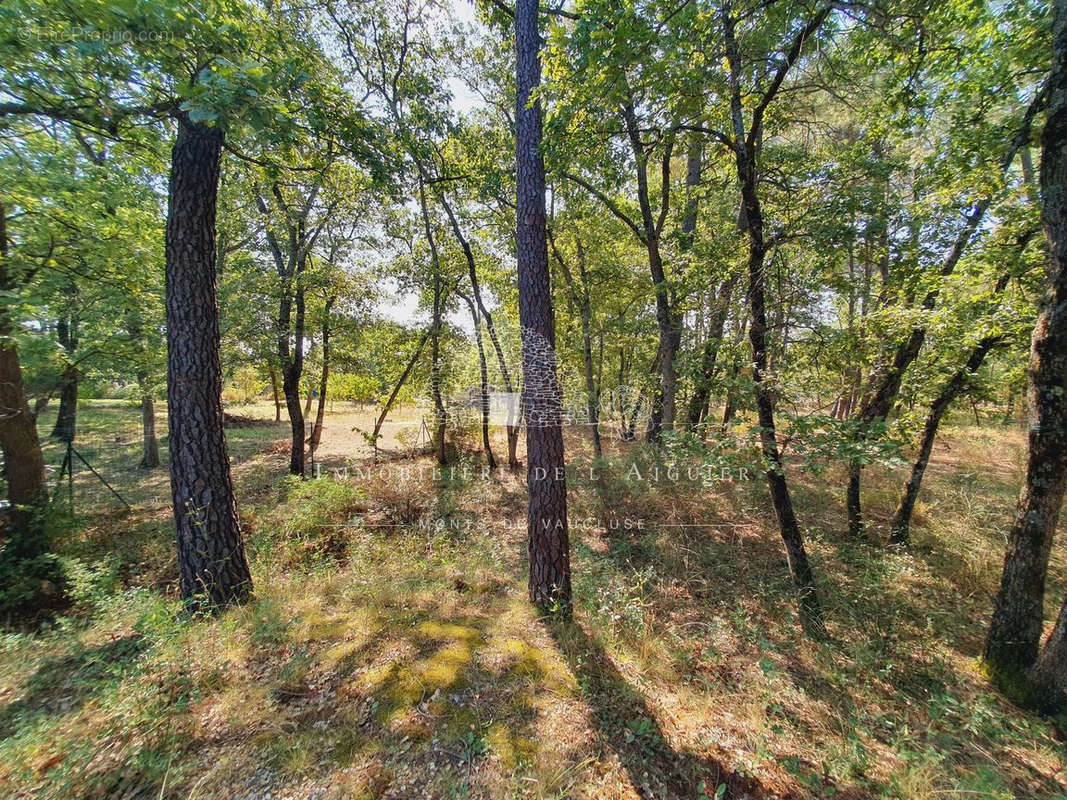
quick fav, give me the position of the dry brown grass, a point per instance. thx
(407, 663)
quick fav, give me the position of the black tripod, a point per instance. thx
(68, 469)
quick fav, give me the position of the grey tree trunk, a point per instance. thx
(483, 378)
(502, 364)
(883, 384)
(1011, 646)
(324, 380)
(745, 156)
(150, 444)
(439, 294)
(900, 527)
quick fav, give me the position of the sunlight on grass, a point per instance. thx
(378, 657)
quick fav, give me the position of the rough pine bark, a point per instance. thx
(547, 535)
(211, 557)
(23, 460)
(1012, 643)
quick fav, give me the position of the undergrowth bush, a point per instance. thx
(311, 524)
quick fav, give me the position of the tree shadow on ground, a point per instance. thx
(62, 685)
(628, 726)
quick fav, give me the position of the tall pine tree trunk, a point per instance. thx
(1012, 644)
(211, 555)
(547, 539)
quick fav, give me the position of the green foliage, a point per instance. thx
(89, 586)
(822, 440)
(311, 524)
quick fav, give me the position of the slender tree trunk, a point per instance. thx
(629, 432)
(698, 403)
(396, 389)
(729, 410)
(211, 555)
(1011, 646)
(320, 412)
(294, 407)
(483, 378)
(885, 379)
(899, 528)
(274, 392)
(548, 546)
(23, 460)
(150, 446)
(810, 611)
(292, 361)
(592, 395)
(582, 299)
(66, 419)
(853, 503)
(713, 335)
(440, 413)
(670, 337)
(502, 364)
(662, 413)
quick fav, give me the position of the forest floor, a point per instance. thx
(390, 650)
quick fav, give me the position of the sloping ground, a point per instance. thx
(390, 651)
